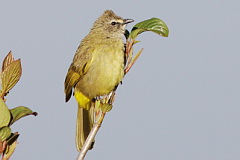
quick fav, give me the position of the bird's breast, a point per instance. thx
(105, 73)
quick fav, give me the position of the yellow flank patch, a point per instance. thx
(82, 100)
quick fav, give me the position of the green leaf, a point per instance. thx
(20, 112)
(11, 75)
(154, 25)
(5, 133)
(4, 114)
(106, 107)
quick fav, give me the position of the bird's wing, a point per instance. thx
(80, 65)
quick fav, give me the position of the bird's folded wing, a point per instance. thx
(81, 64)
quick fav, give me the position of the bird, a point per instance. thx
(96, 70)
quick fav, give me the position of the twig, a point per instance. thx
(131, 63)
(90, 138)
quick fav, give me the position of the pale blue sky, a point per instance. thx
(179, 102)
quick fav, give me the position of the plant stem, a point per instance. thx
(90, 138)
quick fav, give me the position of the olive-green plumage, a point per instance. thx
(97, 68)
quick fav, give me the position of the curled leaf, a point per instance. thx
(154, 25)
(126, 34)
(11, 75)
(5, 133)
(12, 138)
(20, 112)
(4, 114)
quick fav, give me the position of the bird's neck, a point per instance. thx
(99, 35)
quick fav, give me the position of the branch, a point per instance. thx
(90, 138)
(101, 107)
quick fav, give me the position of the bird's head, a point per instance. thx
(111, 24)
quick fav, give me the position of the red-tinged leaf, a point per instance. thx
(3, 146)
(20, 112)
(9, 151)
(7, 60)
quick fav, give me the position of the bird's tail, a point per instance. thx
(84, 126)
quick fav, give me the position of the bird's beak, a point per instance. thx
(126, 21)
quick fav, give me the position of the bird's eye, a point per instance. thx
(113, 23)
